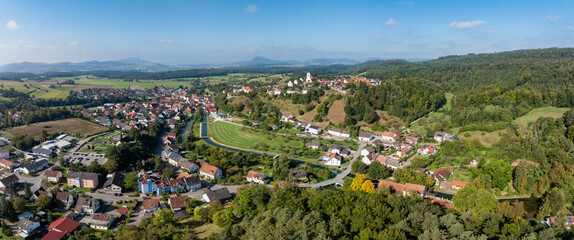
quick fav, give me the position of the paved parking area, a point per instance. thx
(88, 157)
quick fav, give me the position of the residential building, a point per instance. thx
(34, 167)
(82, 179)
(299, 174)
(368, 159)
(8, 181)
(221, 194)
(101, 221)
(368, 150)
(552, 220)
(445, 185)
(404, 152)
(393, 163)
(390, 137)
(256, 177)
(404, 189)
(5, 153)
(53, 176)
(177, 202)
(427, 150)
(28, 225)
(64, 200)
(314, 144)
(151, 205)
(61, 227)
(332, 159)
(87, 205)
(314, 130)
(187, 165)
(40, 192)
(365, 136)
(9, 164)
(115, 183)
(210, 171)
(442, 173)
(456, 184)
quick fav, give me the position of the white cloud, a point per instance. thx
(391, 21)
(571, 28)
(490, 31)
(379, 36)
(31, 46)
(552, 18)
(465, 25)
(252, 8)
(73, 43)
(163, 41)
(409, 3)
(11, 25)
(64, 33)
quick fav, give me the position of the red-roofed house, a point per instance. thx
(64, 225)
(442, 173)
(151, 205)
(256, 177)
(458, 184)
(177, 202)
(210, 171)
(404, 189)
(8, 164)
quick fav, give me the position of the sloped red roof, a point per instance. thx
(54, 235)
(65, 225)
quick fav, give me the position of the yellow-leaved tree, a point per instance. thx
(358, 181)
(368, 186)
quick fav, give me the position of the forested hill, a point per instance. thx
(468, 72)
(493, 87)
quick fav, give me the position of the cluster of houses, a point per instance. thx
(34, 163)
(141, 115)
(302, 86)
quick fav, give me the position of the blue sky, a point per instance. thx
(217, 31)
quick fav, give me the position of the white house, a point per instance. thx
(256, 177)
(210, 171)
(333, 159)
(366, 151)
(314, 130)
(101, 221)
(28, 225)
(365, 136)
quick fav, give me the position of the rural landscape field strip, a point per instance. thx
(232, 135)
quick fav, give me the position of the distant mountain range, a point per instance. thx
(137, 64)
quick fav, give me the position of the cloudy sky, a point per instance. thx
(217, 31)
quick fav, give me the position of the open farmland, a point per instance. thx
(533, 115)
(70, 126)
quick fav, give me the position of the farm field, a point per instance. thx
(71, 126)
(533, 115)
(91, 81)
(242, 137)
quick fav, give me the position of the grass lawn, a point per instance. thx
(484, 138)
(84, 189)
(461, 174)
(71, 126)
(533, 115)
(204, 230)
(129, 205)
